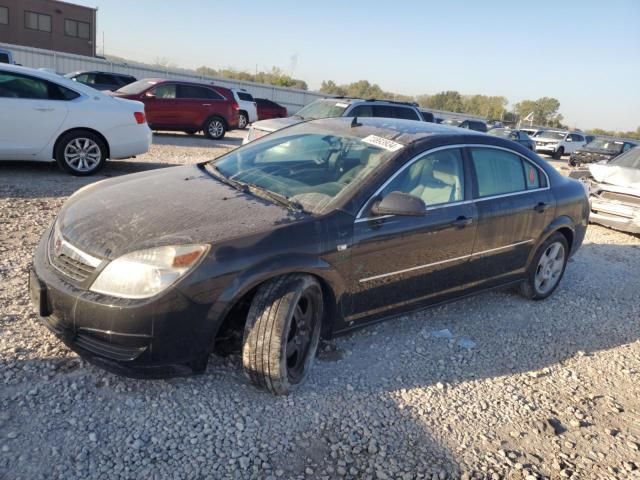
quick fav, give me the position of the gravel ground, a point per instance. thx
(489, 387)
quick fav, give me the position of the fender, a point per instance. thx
(562, 221)
(274, 267)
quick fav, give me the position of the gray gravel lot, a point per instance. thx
(506, 388)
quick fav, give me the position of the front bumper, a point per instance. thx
(162, 336)
(615, 215)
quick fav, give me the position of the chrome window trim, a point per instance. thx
(440, 262)
(359, 217)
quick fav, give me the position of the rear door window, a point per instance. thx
(21, 86)
(497, 172)
(197, 92)
(383, 111)
(405, 113)
(4, 58)
(104, 79)
(245, 96)
(362, 111)
(166, 91)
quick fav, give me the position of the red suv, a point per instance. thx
(184, 106)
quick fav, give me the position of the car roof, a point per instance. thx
(403, 131)
(370, 100)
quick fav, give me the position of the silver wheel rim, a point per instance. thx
(216, 129)
(82, 154)
(549, 268)
(242, 121)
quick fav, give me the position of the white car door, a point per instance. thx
(32, 111)
(579, 141)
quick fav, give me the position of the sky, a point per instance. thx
(584, 53)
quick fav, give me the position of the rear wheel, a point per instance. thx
(547, 268)
(215, 128)
(81, 153)
(243, 120)
(282, 332)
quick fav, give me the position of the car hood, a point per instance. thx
(619, 176)
(274, 124)
(171, 206)
(546, 139)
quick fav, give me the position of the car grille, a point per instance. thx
(70, 261)
(621, 197)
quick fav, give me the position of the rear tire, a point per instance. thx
(81, 153)
(282, 332)
(243, 120)
(215, 128)
(546, 269)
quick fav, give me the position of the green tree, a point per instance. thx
(451, 101)
(545, 111)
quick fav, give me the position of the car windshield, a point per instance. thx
(312, 167)
(454, 122)
(606, 144)
(322, 109)
(630, 159)
(552, 135)
(136, 87)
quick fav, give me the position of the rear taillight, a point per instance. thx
(235, 106)
(140, 119)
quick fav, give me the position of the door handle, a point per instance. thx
(43, 109)
(541, 207)
(462, 221)
(206, 104)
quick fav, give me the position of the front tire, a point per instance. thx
(557, 155)
(282, 332)
(215, 128)
(546, 268)
(81, 153)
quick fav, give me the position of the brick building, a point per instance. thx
(49, 24)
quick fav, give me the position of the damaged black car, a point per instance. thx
(600, 149)
(306, 233)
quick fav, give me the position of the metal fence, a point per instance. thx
(291, 98)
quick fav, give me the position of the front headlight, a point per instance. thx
(145, 273)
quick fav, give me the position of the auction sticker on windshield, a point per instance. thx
(342, 105)
(389, 145)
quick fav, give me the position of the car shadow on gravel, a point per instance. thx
(197, 140)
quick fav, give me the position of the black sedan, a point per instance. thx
(517, 136)
(309, 232)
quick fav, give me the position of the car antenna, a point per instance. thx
(354, 122)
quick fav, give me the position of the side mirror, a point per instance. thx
(150, 95)
(568, 139)
(397, 203)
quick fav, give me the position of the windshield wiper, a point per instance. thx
(297, 116)
(276, 197)
(254, 189)
(243, 187)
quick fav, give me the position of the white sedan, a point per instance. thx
(45, 117)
